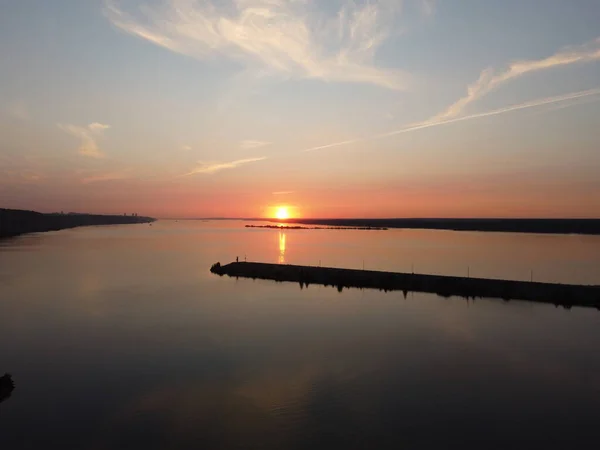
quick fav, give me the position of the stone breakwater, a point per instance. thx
(565, 295)
(14, 222)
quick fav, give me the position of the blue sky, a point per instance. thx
(335, 108)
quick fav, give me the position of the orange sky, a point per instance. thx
(504, 197)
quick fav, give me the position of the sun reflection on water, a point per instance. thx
(282, 247)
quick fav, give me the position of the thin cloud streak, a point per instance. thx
(18, 110)
(489, 81)
(430, 123)
(428, 7)
(531, 104)
(214, 167)
(559, 106)
(95, 127)
(337, 144)
(282, 37)
(283, 192)
(249, 144)
(88, 137)
(111, 176)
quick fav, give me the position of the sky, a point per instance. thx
(332, 108)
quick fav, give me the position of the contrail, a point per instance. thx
(531, 104)
(337, 144)
(559, 106)
(215, 167)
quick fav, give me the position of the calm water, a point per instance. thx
(120, 338)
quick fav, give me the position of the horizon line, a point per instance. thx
(291, 220)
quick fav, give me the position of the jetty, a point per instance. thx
(565, 295)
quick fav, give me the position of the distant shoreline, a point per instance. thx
(541, 226)
(297, 227)
(15, 222)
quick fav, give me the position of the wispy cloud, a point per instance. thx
(336, 144)
(9, 176)
(428, 7)
(109, 176)
(283, 192)
(18, 110)
(248, 145)
(18, 169)
(97, 127)
(580, 101)
(88, 136)
(490, 80)
(214, 167)
(526, 105)
(436, 123)
(285, 37)
(186, 148)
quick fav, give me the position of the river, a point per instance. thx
(119, 337)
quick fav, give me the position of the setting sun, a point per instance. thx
(282, 213)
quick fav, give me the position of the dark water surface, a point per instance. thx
(120, 338)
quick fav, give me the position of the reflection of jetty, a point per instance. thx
(558, 294)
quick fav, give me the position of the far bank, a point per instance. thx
(537, 226)
(14, 222)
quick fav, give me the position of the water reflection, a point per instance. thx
(282, 247)
(197, 361)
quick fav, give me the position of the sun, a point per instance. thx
(282, 213)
